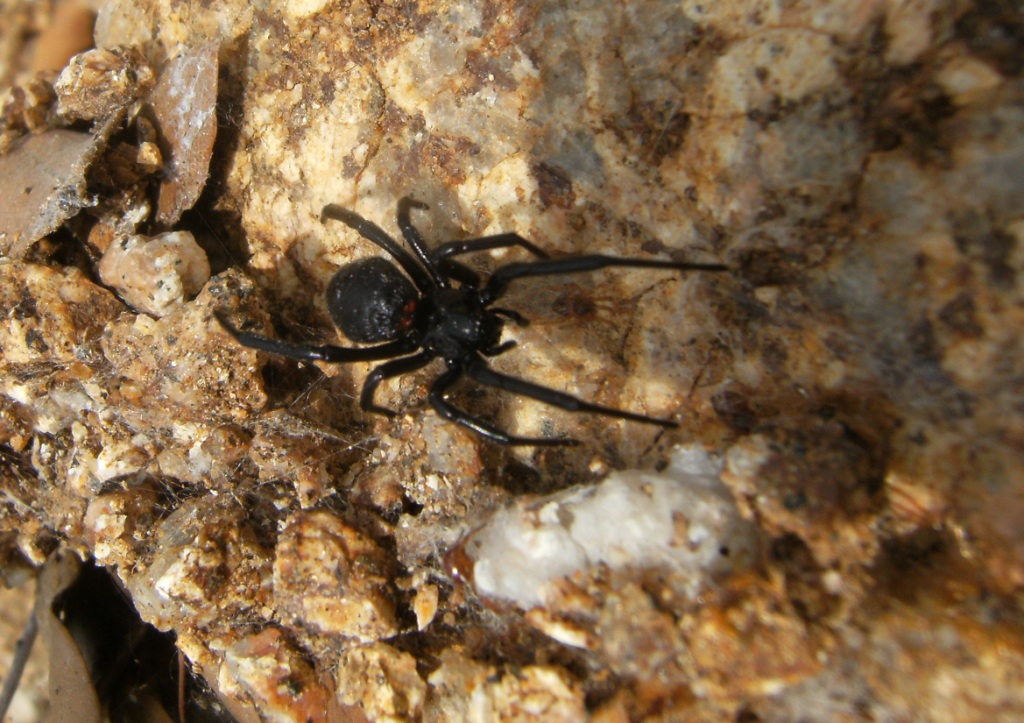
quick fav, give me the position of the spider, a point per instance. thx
(440, 308)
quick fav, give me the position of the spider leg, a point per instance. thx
(576, 264)
(412, 235)
(486, 243)
(443, 253)
(372, 232)
(326, 352)
(500, 348)
(460, 272)
(393, 368)
(453, 414)
(513, 315)
(480, 372)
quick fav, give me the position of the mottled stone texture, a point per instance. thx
(858, 164)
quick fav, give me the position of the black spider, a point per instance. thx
(428, 317)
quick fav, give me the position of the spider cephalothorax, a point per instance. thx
(440, 309)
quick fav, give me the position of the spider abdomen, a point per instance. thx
(370, 300)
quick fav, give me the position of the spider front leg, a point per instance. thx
(413, 237)
(486, 243)
(462, 273)
(577, 264)
(448, 411)
(372, 232)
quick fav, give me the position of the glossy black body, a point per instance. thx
(438, 308)
(369, 300)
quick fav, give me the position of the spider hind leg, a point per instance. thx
(480, 372)
(387, 370)
(322, 352)
(449, 411)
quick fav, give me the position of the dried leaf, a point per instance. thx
(105, 662)
(72, 696)
(42, 181)
(183, 105)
